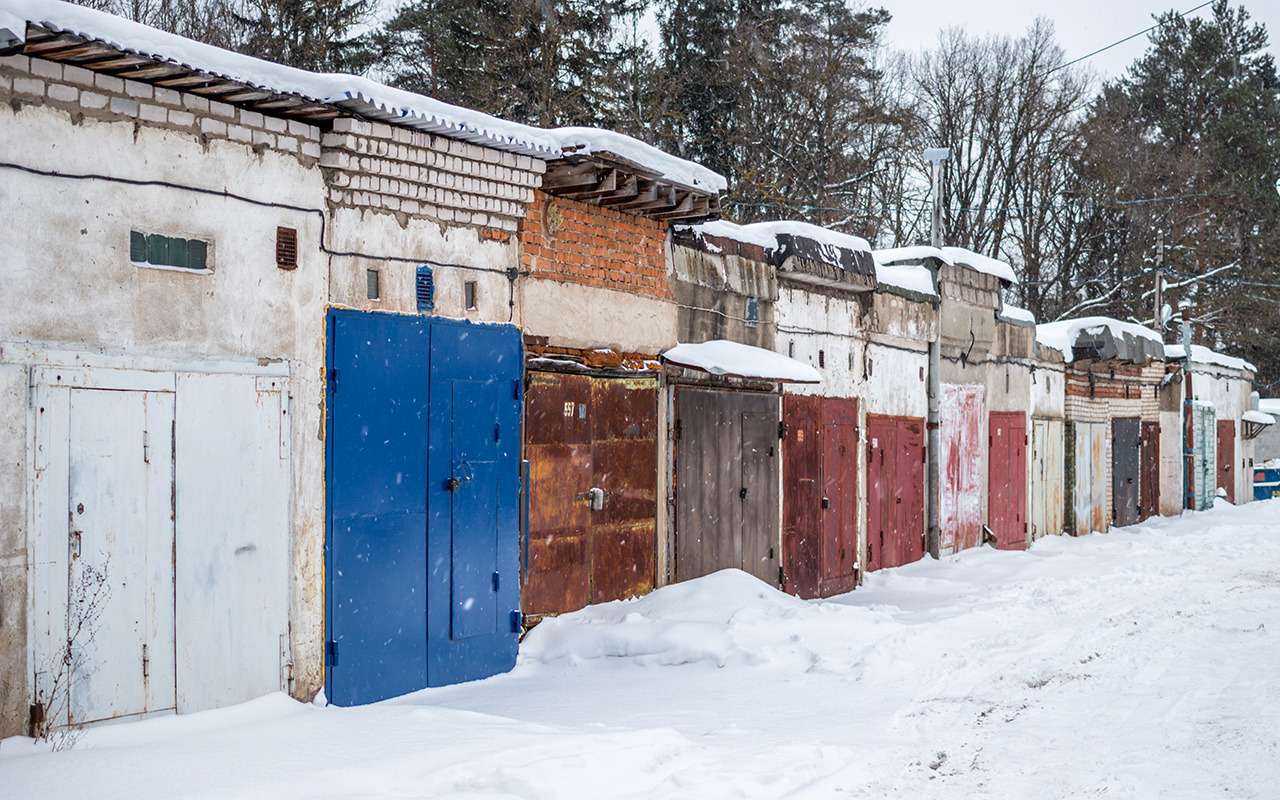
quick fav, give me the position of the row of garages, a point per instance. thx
(353, 425)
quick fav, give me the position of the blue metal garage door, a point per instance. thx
(422, 479)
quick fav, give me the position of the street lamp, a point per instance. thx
(933, 539)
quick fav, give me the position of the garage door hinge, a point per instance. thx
(333, 381)
(515, 389)
(331, 653)
(677, 430)
(497, 580)
(782, 430)
(517, 621)
(782, 581)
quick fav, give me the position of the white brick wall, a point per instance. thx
(375, 165)
(34, 80)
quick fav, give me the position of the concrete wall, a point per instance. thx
(712, 291)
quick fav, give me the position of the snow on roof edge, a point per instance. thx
(987, 264)
(598, 140)
(1203, 355)
(724, 357)
(351, 92)
(1062, 335)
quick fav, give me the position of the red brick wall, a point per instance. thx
(565, 240)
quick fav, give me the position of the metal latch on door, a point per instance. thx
(595, 495)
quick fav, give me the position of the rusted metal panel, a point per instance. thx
(624, 459)
(1126, 446)
(839, 496)
(1149, 483)
(1087, 477)
(895, 491)
(1227, 458)
(726, 494)
(802, 494)
(1007, 495)
(585, 433)
(1047, 477)
(1098, 480)
(960, 506)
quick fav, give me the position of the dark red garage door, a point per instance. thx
(1007, 479)
(895, 491)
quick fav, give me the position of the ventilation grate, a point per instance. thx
(425, 289)
(287, 248)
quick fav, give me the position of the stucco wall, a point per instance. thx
(70, 285)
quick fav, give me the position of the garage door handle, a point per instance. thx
(897, 501)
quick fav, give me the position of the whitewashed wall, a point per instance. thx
(70, 287)
(72, 296)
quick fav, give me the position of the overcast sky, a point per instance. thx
(1082, 25)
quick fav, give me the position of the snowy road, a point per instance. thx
(1141, 663)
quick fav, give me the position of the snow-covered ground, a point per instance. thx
(1143, 663)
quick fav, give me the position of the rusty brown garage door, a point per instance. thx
(591, 442)
(1149, 480)
(726, 482)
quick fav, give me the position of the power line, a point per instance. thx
(1125, 39)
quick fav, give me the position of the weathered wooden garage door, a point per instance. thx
(1046, 477)
(592, 448)
(820, 541)
(1086, 476)
(960, 504)
(895, 491)
(726, 483)
(1126, 446)
(1149, 483)
(1007, 484)
(1227, 458)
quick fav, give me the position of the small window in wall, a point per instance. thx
(425, 289)
(155, 250)
(469, 294)
(371, 282)
(753, 310)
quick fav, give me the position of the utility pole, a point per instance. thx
(933, 539)
(1159, 315)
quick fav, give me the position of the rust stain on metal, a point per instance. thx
(592, 447)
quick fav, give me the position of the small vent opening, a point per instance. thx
(287, 248)
(425, 289)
